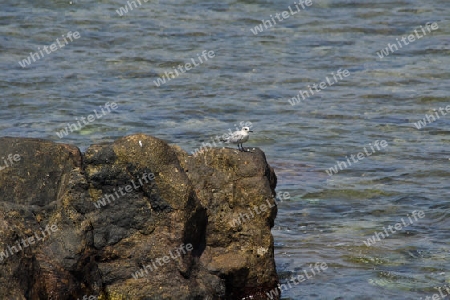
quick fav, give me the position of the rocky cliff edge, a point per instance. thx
(134, 219)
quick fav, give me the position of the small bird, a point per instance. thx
(238, 137)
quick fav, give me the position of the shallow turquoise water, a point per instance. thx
(251, 78)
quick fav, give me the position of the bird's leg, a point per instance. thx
(246, 150)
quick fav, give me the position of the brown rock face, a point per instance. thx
(134, 219)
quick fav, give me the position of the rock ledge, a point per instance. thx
(134, 219)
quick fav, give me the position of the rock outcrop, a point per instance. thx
(134, 219)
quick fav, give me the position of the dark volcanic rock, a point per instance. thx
(134, 219)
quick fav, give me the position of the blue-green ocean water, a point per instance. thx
(250, 78)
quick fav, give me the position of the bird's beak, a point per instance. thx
(250, 131)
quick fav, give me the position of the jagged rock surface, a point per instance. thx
(207, 201)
